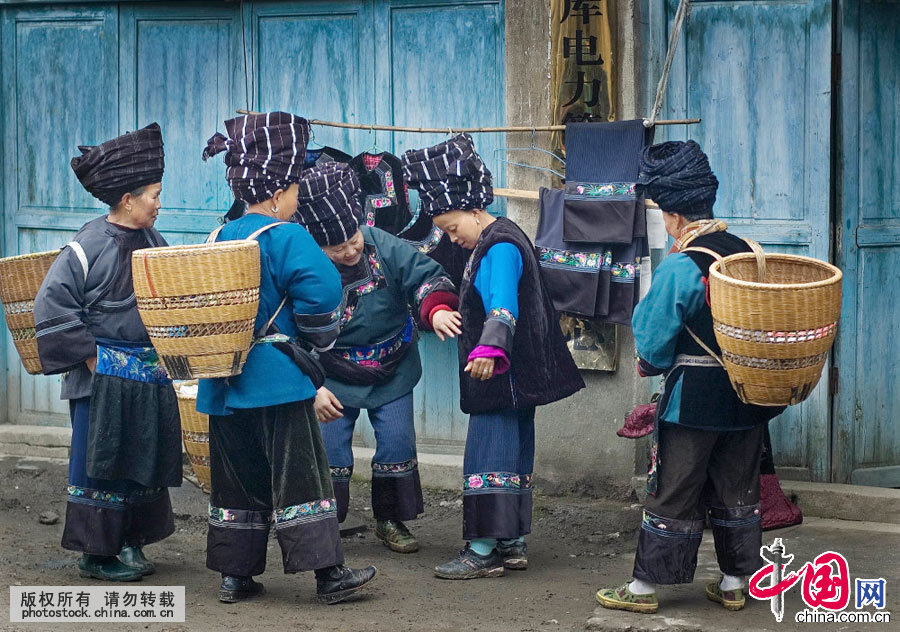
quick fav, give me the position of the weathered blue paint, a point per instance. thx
(867, 437)
(183, 66)
(758, 75)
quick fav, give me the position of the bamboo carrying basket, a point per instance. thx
(195, 432)
(775, 318)
(20, 280)
(199, 304)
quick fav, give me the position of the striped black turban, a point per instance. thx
(328, 205)
(450, 176)
(121, 165)
(677, 176)
(265, 152)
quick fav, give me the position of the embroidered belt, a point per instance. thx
(130, 362)
(380, 352)
(683, 359)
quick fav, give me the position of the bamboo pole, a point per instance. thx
(455, 130)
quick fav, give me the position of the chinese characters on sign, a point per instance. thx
(581, 75)
(33, 604)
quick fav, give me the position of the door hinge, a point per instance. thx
(834, 381)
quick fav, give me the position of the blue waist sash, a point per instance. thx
(130, 361)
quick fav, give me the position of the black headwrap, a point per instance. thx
(265, 152)
(328, 205)
(450, 176)
(677, 176)
(121, 165)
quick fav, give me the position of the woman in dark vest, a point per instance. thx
(512, 356)
(707, 443)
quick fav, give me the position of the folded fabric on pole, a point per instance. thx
(602, 204)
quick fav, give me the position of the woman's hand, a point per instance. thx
(481, 368)
(328, 407)
(446, 324)
(91, 364)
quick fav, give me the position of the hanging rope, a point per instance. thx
(456, 130)
(681, 14)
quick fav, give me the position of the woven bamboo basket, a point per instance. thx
(775, 318)
(195, 432)
(20, 280)
(199, 304)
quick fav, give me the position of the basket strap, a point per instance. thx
(260, 231)
(214, 235)
(760, 259)
(715, 255)
(82, 257)
(705, 346)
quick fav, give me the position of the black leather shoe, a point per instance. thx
(335, 583)
(133, 556)
(234, 589)
(107, 568)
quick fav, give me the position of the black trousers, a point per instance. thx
(268, 466)
(702, 471)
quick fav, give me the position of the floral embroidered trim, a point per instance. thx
(374, 355)
(756, 335)
(504, 480)
(140, 364)
(574, 259)
(504, 315)
(624, 270)
(606, 190)
(243, 516)
(376, 281)
(430, 242)
(306, 510)
(388, 179)
(95, 494)
(20, 307)
(423, 291)
(773, 364)
(395, 468)
(654, 464)
(195, 437)
(341, 472)
(370, 217)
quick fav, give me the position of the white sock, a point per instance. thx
(637, 587)
(731, 582)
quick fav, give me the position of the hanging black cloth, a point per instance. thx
(384, 198)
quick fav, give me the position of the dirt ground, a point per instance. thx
(574, 546)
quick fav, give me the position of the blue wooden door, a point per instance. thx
(440, 64)
(60, 87)
(867, 435)
(758, 74)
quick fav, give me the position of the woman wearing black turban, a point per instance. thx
(707, 443)
(126, 435)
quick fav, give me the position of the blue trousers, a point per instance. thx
(396, 488)
(497, 470)
(104, 515)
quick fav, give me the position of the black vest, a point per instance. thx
(541, 368)
(707, 397)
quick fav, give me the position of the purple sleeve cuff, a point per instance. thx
(501, 363)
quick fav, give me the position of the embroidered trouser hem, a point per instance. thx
(700, 472)
(503, 514)
(103, 528)
(397, 495)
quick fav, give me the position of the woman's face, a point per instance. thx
(142, 210)
(347, 253)
(462, 227)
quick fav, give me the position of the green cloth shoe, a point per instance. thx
(623, 599)
(730, 599)
(396, 536)
(133, 556)
(107, 568)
